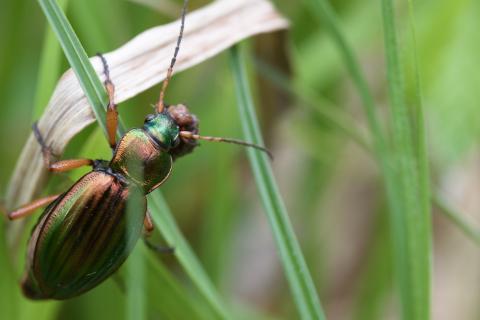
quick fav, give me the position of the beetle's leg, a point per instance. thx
(58, 166)
(30, 208)
(67, 165)
(157, 248)
(147, 225)
(147, 231)
(112, 114)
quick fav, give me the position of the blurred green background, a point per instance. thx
(331, 186)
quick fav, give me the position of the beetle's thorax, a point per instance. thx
(140, 159)
(145, 156)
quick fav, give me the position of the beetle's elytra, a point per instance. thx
(80, 239)
(86, 233)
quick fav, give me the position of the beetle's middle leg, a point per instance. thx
(58, 166)
(112, 113)
(147, 231)
(147, 225)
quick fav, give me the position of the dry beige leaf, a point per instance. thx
(136, 66)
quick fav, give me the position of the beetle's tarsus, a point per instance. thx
(157, 248)
(47, 151)
(148, 225)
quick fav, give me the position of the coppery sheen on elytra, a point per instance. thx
(87, 233)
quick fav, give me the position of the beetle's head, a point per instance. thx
(176, 130)
(164, 128)
(186, 122)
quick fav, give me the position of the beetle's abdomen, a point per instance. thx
(141, 160)
(83, 237)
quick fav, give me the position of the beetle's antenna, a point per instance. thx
(190, 135)
(160, 105)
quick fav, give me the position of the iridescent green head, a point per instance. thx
(162, 129)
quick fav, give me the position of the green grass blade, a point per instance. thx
(326, 15)
(343, 123)
(294, 264)
(78, 59)
(419, 132)
(320, 105)
(178, 301)
(8, 285)
(412, 223)
(48, 73)
(136, 302)
(49, 70)
(165, 222)
(458, 220)
(402, 166)
(95, 92)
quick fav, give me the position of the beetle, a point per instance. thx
(86, 233)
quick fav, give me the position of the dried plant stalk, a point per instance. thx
(136, 66)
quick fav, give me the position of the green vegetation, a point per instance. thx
(371, 111)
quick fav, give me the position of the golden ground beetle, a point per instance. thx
(86, 233)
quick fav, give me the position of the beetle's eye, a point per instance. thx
(149, 117)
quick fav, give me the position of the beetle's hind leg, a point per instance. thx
(147, 231)
(30, 208)
(112, 113)
(57, 166)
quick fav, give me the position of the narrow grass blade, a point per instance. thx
(96, 95)
(337, 117)
(49, 69)
(326, 15)
(178, 301)
(375, 282)
(403, 167)
(296, 270)
(458, 220)
(8, 286)
(136, 302)
(412, 225)
(165, 222)
(419, 136)
(78, 59)
(345, 124)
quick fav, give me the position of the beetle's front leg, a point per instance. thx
(112, 113)
(57, 166)
(30, 208)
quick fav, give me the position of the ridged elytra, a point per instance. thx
(86, 233)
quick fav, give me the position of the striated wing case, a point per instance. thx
(83, 237)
